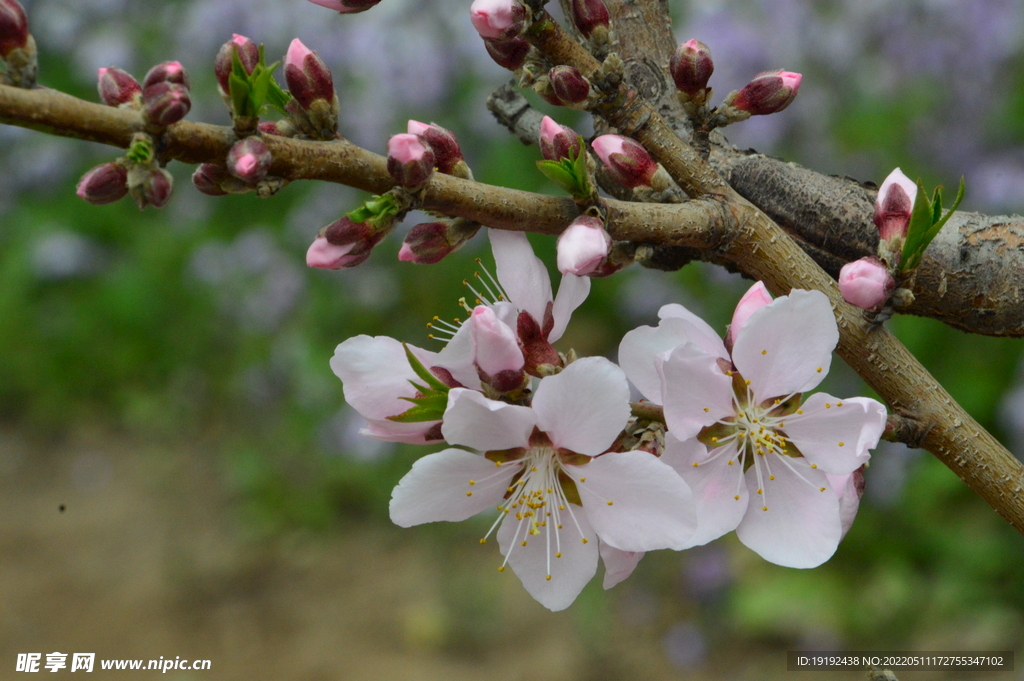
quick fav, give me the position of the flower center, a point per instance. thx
(489, 293)
(539, 503)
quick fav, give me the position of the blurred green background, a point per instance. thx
(179, 474)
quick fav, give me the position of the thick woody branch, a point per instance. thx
(762, 250)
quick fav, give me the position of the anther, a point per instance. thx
(764, 508)
(799, 411)
(609, 503)
(814, 465)
(695, 464)
(819, 370)
(524, 542)
(706, 409)
(760, 491)
(469, 494)
(472, 482)
(501, 568)
(737, 497)
(747, 381)
(771, 477)
(841, 444)
(484, 540)
(548, 578)
(586, 541)
(839, 404)
(828, 406)
(583, 479)
(558, 555)
(730, 463)
(764, 352)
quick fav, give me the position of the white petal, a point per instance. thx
(438, 488)
(838, 439)
(506, 312)
(520, 272)
(569, 574)
(642, 349)
(584, 407)
(457, 357)
(715, 486)
(376, 373)
(697, 393)
(635, 502)
(801, 527)
(571, 293)
(786, 346)
(849, 497)
(390, 431)
(618, 564)
(474, 421)
(698, 331)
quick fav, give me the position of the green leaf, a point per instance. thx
(379, 210)
(424, 373)
(557, 173)
(140, 151)
(925, 224)
(570, 174)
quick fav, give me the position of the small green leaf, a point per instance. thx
(921, 233)
(557, 173)
(418, 415)
(424, 373)
(379, 210)
(141, 151)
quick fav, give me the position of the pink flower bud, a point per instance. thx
(754, 299)
(208, 178)
(153, 188)
(249, 160)
(343, 243)
(248, 53)
(442, 142)
(768, 93)
(509, 54)
(166, 103)
(410, 161)
(569, 84)
(589, 14)
(583, 246)
(307, 75)
(426, 243)
(327, 256)
(866, 283)
(895, 205)
(346, 6)
(627, 162)
(691, 67)
(557, 141)
(497, 19)
(13, 27)
(496, 346)
(117, 87)
(106, 183)
(167, 72)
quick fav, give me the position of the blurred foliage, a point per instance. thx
(201, 324)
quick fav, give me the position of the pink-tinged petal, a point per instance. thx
(376, 374)
(801, 527)
(569, 573)
(635, 502)
(837, 435)
(457, 357)
(866, 283)
(618, 564)
(474, 421)
(697, 392)
(583, 246)
(849, 488)
(584, 407)
(715, 484)
(643, 349)
(520, 272)
(391, 431)
(571, 293)
(297, 53)
(497, 346)
(452, 485)
(754, 299)
(327, 256)
(786, 347)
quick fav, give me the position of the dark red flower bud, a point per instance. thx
(151, 187)
(557, 141)
(249, 160)
(13, 27)
(410, 160)
(691, 67)
(307, 75)
(589, 14)
(569, 84)
(106, 183)
(248, 53)
(509, 54)
(208, 177)
(167, 72)
(443, 143)
(166, 103)
(767, 93)
(117, 87)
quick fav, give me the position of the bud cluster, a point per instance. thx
(138, 173)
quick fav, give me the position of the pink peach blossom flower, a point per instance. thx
(866, 283)
(583, 246)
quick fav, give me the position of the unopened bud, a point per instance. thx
(117, 87)
(767, 93)
(627, 162)
(215, 180)
(894, 206)
(249, 160)
(343, 243)
(569, 85)
(167, 72)
(509, 54)
(866, 283)
(410, 160)
(14, 33)
(307, 75)
(558, 141)
(498, 19)
(166, 103)
(495, 344)
(327, 256)
(583, 246)
(429, 242)
(346, 6)
(691, 68)
(150, 186)
(106, 183)
(447, 153)
(248, 54)
(589, 14)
